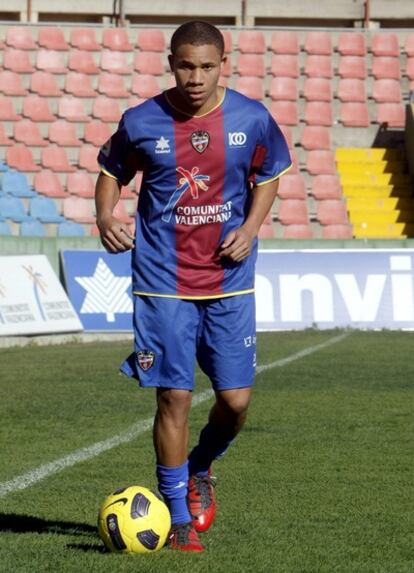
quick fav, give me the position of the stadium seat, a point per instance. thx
(7, 111)
(112, 85)
(32, 229)
(287, 134)
(80, 183)
(385, 44)
(352, 67)
(48, 183)
(351, 89)
(392, 114)
(355, 114)
(151, 40)
(386, 68)
(20, 37)
(44, 209)
(11, 83)
(4, 139)
(387, 91)
(106, 109)
(284, 89)
(72, 109)
(332, 212)
(284, 42)
(409, 70)
(266, 232)
(321, 162)
(318, 113)
(285, 112)
(315, 137)
(84, 39)
(20, 157)
(52, 38)
(337, 232)
(149, 63)
(115, 62)
(97, 132)
(78, 209)
(70, 229)
(317, 89)
(228, 41)
(251, 65)
(250, 86)
(5, 229)
(251, 42)
(36, 108)
(16, 183)
(116, 39)
(296, 231)
(227, 68)
(44, 84)
(284, 65)
(351, 44)
(326, 187)
(318, 66)
(88, 159)
(82, 62)
(318, 43)
(55, 158)
(409, 44)
(13, 208)
(50, 61)
(63, 133)
(17, 61)
(79, 85)
(145, 86)
(27, 132)
(292, 187)
(293, 212)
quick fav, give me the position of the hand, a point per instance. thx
(116, 237)
(237, 245)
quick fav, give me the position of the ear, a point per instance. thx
(171, 62)
(223, 61)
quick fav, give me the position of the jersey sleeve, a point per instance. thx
(271, 157)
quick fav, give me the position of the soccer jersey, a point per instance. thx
(196, 187)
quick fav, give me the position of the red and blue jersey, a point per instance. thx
(198, 172)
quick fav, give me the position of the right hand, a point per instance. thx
(116, 237)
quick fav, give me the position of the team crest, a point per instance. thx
(145, 359)
(200, 140)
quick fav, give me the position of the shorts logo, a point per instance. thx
(145, 359)
(237, 139)
(200, 140)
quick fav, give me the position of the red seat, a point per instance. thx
(84, 39)
(72, 109)
(37, 108)
(292, 187)
(11, 83)
(337, 232)
(355, 114)
(149, 63)
(97, 133)
(284, 112)
(351, 89)
(298, 232)
(251, 87)
(7, 111)
(321, 162)
(17, 61)
(318, 113)
(4, 139)
(79, 85)
(63, 133)
(145, 86)
(82, 62)
(88, 159)
(48, 183)
(251, 65)
(284, 65)
(78, 209)
(392, 114)
(266, 232)
(284, 89)
(352, 67)
(318, 66)
(409, 44)
(27, 132)
(385, 44)
(115, 62)
(387, 91)
(20, 37)
(332, 212)
(116, 39)
(80, 183)
(112, 85)
(326, 187)
(227, 68)
(151, 40)
(351, 44)
(52, 39)
(317, 89)
(294, 168)
(315, 137)
(386, 68)
(20, 157)
(318, 43)
(285, 42)
(55, 158)
(228, 41)
(106, 109)
(293, 212)
(287, 134)
(50, 61)
(251, 42)
(44, 84)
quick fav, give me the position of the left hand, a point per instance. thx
(237, 245)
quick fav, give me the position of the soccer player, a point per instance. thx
(211, 159)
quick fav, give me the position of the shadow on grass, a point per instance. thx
(31, 524)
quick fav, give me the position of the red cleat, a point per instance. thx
(184, 538)
(202, 501)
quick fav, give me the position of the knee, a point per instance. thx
(235, 402)
(173, 403)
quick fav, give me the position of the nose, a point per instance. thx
(196, 76)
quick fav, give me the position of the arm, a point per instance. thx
(115, 236)
(237, 244)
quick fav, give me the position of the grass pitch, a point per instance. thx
(320, 480)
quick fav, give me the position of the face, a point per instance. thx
(197, 71)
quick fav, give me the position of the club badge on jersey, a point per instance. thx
(200, 140)
(145, 359)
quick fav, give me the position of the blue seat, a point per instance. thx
(13, 208)
(15, 183)
(45, 209)
(32, 229)
(3, 166)
(4, 228)
(70, 229)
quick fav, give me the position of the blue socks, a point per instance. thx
(212, 445)
(173, 486)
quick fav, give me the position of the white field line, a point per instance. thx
(31, 477)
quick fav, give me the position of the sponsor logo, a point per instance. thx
(249, 341)
(122, 500)
(200, 140)
(189, 180)
(145, 359)
(162, 145)
(237, 139)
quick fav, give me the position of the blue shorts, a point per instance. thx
(171, 334)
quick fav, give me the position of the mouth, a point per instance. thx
(195, 96)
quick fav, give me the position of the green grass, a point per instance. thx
(320, 480)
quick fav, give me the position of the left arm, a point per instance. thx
(237, 245)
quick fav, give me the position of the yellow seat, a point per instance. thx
(382, 230)
(370, 168)
(381, 217)
(367, 154)
(380, 203)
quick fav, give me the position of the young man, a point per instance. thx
(211, 159)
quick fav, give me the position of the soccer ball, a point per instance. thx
(133, 520)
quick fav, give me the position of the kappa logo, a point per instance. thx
(162, 145)
(145, 359)
(237, 139)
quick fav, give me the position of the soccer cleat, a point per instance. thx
(184, 538)
(202, 501)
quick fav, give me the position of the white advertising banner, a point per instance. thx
(32, 300)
